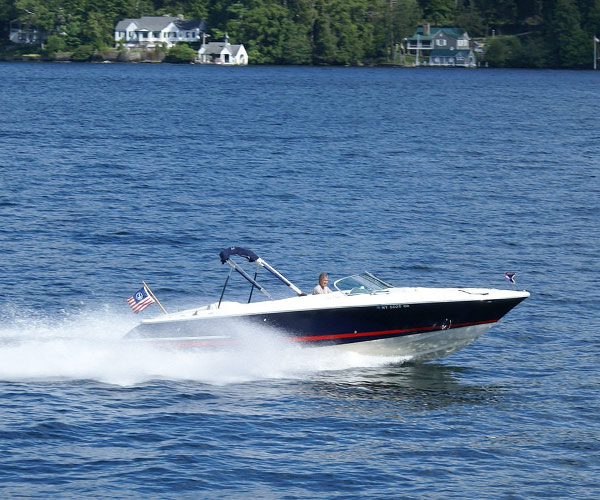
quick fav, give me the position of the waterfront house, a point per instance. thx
(158, 31)
(438, 46)
(222, 53)
(26, 33)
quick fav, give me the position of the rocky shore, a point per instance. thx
(110, 56)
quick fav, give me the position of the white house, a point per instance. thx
(222, 53)
(155, 31)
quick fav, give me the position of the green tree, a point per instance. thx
(7, 14)
(297, 48)
(196, 9)
(592, 19)
(571, 48)
(512, 52)
(325, 42)
(72, 33)
(191, 9)
(180, 54)
(495, 53)
(533, 53)
(344, 16)
(529, 9)
(342, 32)
(55, 43)
(439, 12)
(38, 13)
(299, 41)
(497, 12)
(138, 8)
(404, 17)
(98, 30)
(263, 28)
(470, 19)
(82, 53)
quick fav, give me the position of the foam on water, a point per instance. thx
(91, 347)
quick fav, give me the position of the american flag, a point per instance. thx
(140, 300)
(510, 277)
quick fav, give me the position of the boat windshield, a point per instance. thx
(361, 283)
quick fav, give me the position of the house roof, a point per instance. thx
(190, 24)
(158, 23)
(215, 48)
(434, 30)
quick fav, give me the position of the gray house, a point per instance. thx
(26, 33)
(437, 46)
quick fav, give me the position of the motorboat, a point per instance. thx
(362, 313)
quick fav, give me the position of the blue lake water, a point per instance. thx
(110, 174)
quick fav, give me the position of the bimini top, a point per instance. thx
(249, 255)
(242, 252)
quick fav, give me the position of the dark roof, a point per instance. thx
(215, 48)
(190, 24)
(433, 30)
(158, 23)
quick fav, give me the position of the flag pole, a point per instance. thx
(595, 43)
(154, 297)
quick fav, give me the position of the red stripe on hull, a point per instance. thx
(313, 338)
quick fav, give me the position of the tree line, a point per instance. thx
(517, 33)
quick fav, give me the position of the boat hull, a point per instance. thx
(420, 347)
(420, 331)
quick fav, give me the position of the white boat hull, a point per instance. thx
(420, 347)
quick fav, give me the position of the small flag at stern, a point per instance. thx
(140, 300)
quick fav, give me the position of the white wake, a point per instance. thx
(91, 347)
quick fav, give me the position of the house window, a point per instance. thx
(441, 42)
(156, 34)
